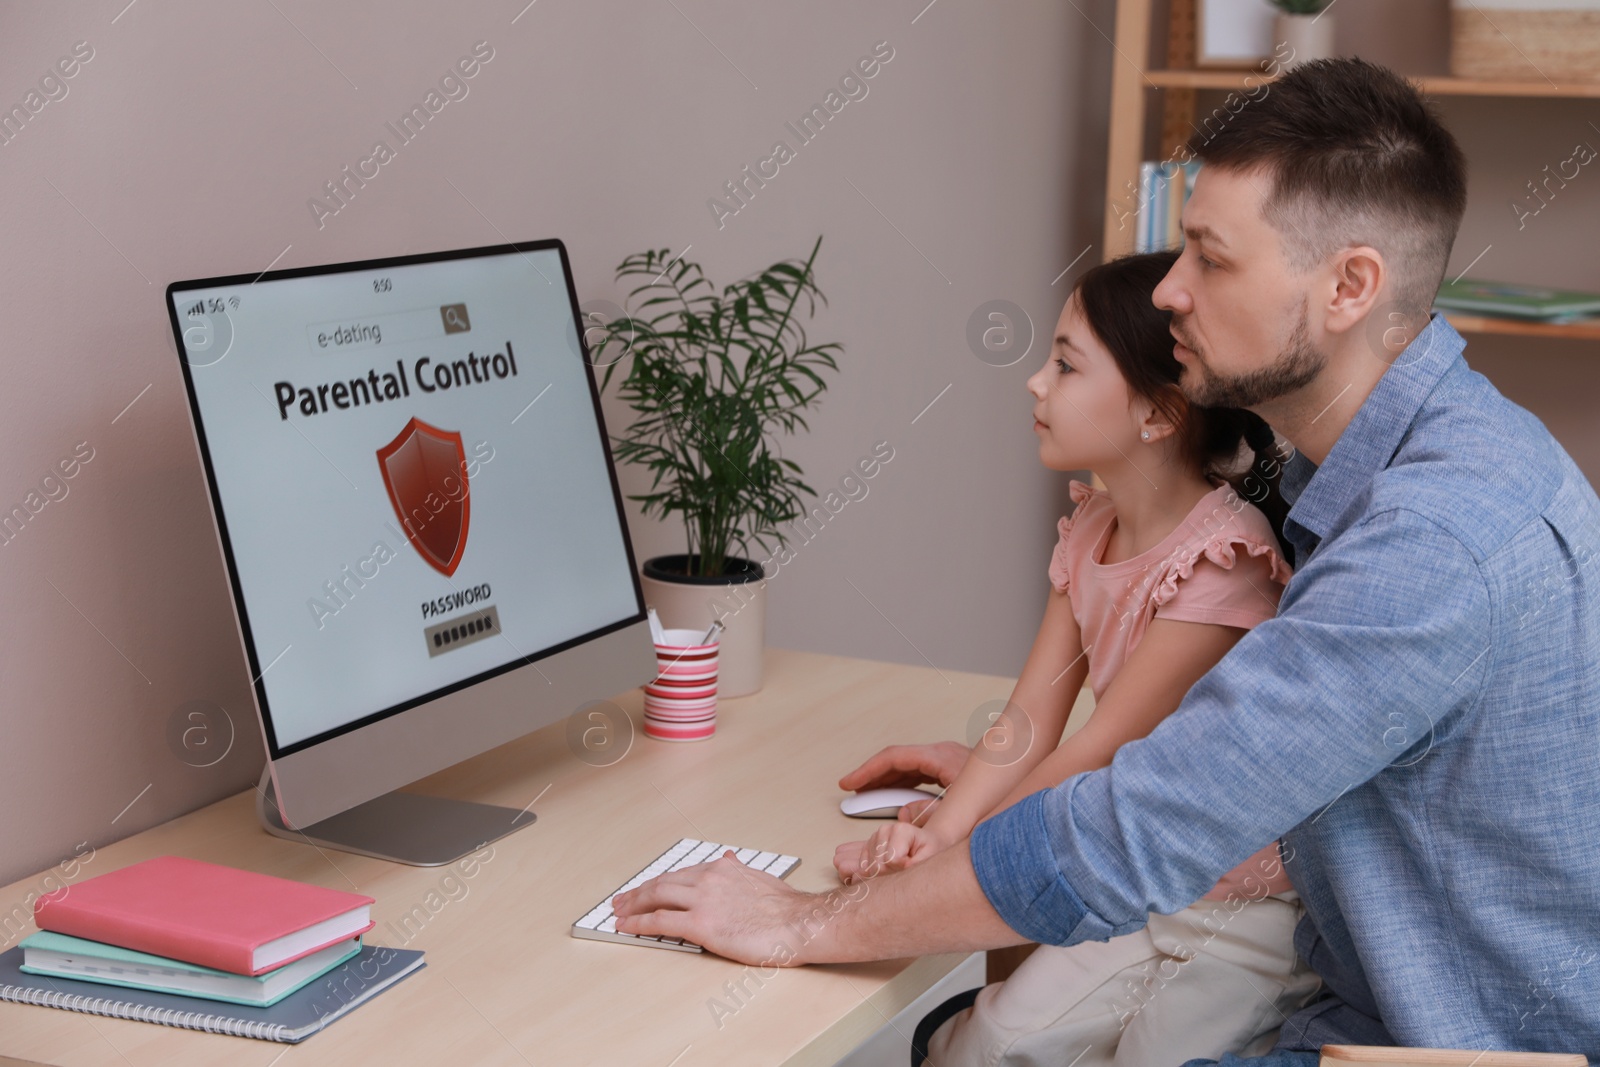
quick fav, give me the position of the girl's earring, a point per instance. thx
(1145, 435)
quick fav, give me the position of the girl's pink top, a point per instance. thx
(1220, 565)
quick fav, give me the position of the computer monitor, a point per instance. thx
(418, 510)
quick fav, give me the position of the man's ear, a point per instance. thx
(1359, 274)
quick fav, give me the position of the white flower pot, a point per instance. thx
(1309, 36)
(739, 599)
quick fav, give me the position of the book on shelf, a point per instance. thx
(1505, 300)
(61, 956)
(1164, 187)
(219, 917)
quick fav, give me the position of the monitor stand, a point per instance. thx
(411, 828)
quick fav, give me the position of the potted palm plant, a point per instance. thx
(714, 378)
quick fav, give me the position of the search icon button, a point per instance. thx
(455, 318)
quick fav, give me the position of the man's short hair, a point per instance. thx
(1356, 156)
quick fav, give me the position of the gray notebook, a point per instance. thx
(294, 1018)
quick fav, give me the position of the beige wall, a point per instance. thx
(190, 143)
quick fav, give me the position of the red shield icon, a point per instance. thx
(425, 471)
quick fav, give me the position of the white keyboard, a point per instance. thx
(601, 925)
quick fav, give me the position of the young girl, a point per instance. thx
(1153, 580)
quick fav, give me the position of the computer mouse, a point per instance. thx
(881, 803)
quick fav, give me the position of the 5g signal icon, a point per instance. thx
(212, 306)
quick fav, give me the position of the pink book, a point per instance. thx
(199, 912)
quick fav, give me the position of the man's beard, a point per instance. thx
(1296, 367)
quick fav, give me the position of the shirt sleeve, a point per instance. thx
(1060, 574)
(1241, 591)
(1060, 569)
(1390, 617)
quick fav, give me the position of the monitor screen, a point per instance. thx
(410, 476)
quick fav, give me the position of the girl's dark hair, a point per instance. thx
(1115, 300)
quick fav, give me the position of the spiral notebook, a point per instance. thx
(293, 1019)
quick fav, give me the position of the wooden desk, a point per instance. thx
(504, 981)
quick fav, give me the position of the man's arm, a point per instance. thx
(1381, 639)
(754, 918)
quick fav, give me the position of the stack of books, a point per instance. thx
(1163, 190)
(187, 943)
(1502, 299)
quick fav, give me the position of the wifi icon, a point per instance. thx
(233, 302)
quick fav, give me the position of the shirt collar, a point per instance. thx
(1323, 493)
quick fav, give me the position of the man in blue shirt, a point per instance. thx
(1419, 725)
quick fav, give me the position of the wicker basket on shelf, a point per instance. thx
(1525, 40)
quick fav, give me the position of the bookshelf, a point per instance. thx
(1434, 86)
(1176, 84)
(1583, 330)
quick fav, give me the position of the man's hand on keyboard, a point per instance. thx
(745, 915)
(755, 918)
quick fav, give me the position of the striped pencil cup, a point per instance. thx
(680, 704)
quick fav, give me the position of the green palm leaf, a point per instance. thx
(713, 377)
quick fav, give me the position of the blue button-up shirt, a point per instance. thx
(1419, 726)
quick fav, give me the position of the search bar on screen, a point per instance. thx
(388, 328)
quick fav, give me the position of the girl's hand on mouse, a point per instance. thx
(908, 765)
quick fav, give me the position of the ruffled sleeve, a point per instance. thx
(1061, 558)
(1232, 578)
